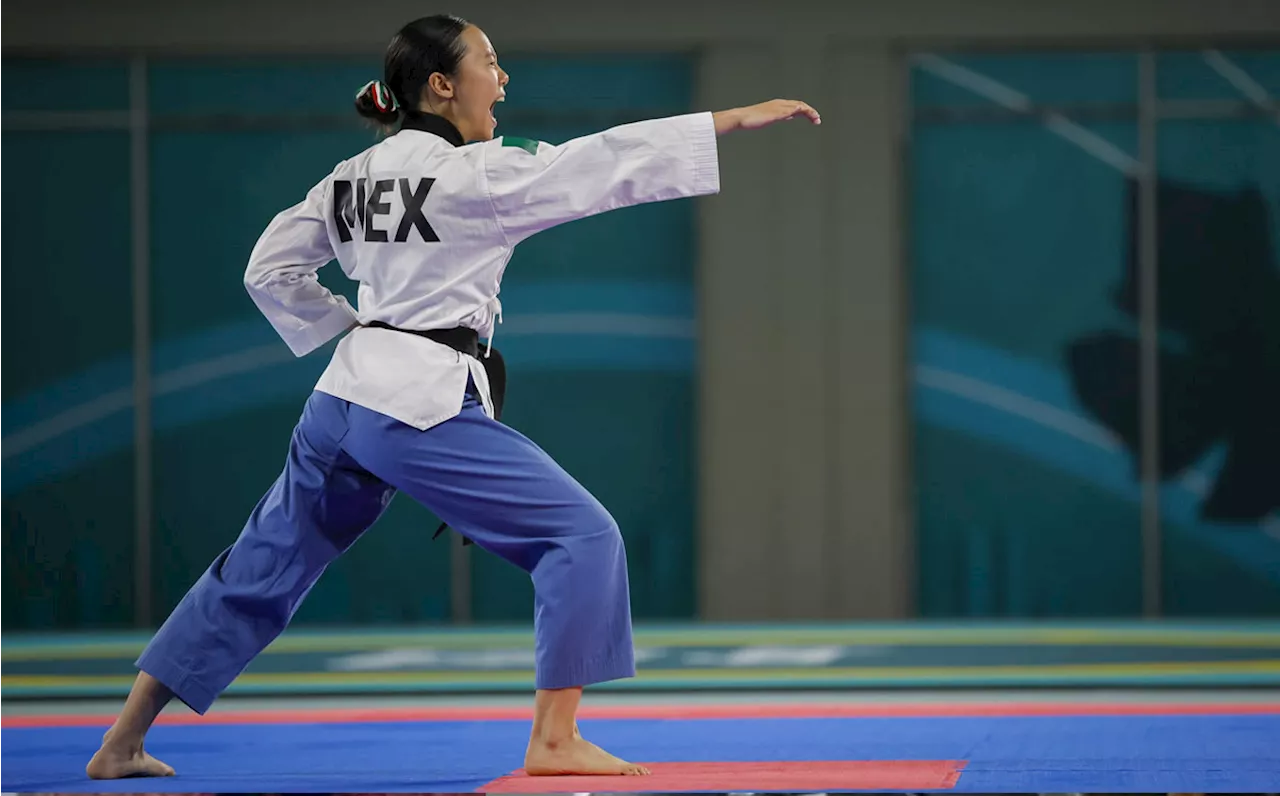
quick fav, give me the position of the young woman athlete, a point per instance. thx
(426, 221)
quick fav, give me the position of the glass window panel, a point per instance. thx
(1217, 75)
(1219, 281)
(1020, 240)
(60, 85)
(68, 380)
(1045, 78)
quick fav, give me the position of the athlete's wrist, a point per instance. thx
(727, 121)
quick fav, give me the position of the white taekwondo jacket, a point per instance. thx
(427, 225)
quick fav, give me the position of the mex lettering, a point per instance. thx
(360, 205)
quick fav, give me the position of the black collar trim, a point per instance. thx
(431, 123)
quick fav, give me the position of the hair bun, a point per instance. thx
(377, 101)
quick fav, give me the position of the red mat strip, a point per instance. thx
(728, 711)
(913, 775)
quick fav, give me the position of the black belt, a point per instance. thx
(459, 338)
(466, 341)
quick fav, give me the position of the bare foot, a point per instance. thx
(576, 756)
(117, 761)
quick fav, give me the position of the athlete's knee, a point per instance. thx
(601, 543)
(595, 521)
(612, 534)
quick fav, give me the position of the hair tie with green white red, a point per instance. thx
(383, 98)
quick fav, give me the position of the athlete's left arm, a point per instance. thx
(281, 277)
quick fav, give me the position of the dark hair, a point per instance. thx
(421, 48)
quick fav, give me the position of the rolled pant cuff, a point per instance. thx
(178, 680)
(589, 672)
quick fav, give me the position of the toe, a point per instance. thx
(152, 767)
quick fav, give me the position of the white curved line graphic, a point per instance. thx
(85, 414)
(1014, 100)
(615, 325)
(176, 380)
(197, 374)
(1017, 404)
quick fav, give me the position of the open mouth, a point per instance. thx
(493, 117)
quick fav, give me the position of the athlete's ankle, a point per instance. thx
(121, 742)
(552, 737)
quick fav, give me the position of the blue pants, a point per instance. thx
(345, 462)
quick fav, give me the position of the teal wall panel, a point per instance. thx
(1018, 243)
(62, 86)
(1024, 316)
(273, 86)
(68, 331)
(1220, 336)
(1042, 78)
(67, 211)
(1191, 76)
(69, 549)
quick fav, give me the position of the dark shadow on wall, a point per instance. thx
(1219, 360)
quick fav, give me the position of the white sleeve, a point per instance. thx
(535, 186)
(281, 277)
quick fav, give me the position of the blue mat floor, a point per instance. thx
(1165, 754)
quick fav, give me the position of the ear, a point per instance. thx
(441, 85)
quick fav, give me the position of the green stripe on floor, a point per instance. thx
(70, 647)
(1215, 673)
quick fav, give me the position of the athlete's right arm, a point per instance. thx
(536, 186)
(281, 277)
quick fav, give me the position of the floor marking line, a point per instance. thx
(821, 775)
(681, 712)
